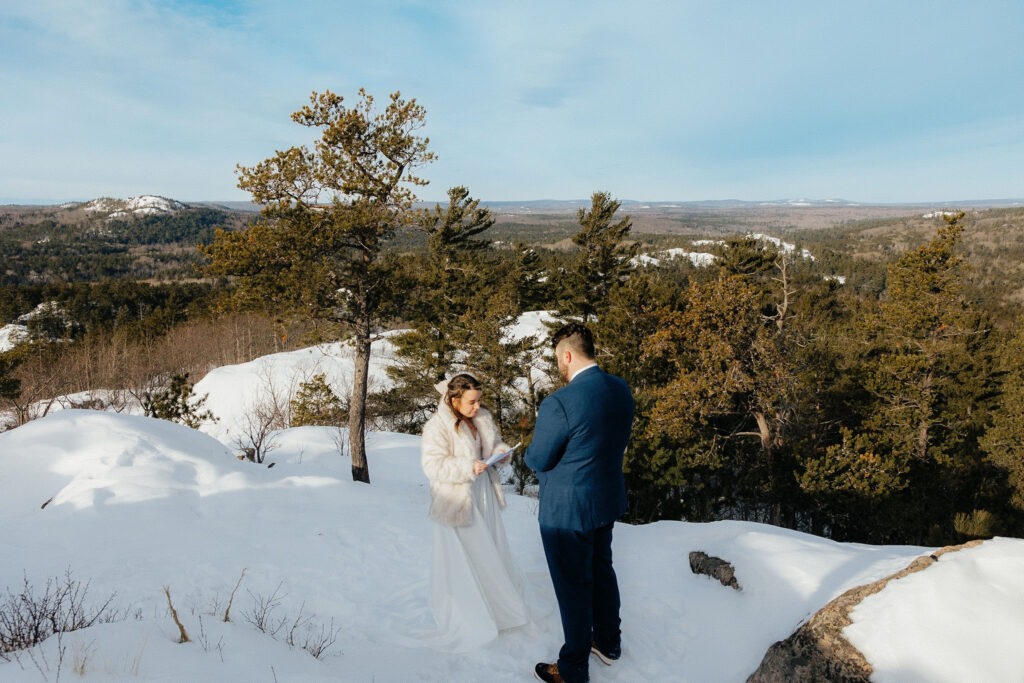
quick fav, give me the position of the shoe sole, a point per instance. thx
(605, 659)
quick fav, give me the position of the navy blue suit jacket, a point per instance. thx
(581, 435)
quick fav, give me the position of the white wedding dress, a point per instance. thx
(476, 590)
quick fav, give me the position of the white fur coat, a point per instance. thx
(447, 459)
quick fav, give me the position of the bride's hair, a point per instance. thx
(457, 386)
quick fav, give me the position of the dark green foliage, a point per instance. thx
(315, 403)
(43, 250)
(10, 387)
(601, 261)
(1003, 441)
(177, 403)
(746, 256)
(329, 215)
(81, 308)
(446, 283)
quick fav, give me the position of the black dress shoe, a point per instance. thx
(547, 673)
(606, 657)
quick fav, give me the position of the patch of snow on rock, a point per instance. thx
(697, 258)
(142, 205)
(12, 335)
(644, 260)
(785, 247)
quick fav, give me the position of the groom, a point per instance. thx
(578, 443)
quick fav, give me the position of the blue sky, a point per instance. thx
(868, 101)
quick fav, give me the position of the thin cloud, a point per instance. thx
(657, 100)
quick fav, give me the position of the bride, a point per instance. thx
(476, 591)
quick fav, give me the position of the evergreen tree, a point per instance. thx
(511, 372)
(1003, 441)
(315, 403)
(931, 377)
(10, 387)
(746, 256)
(602, 259)
(447, 282)
(731, 407)
(177, 403)
(528, 279)
(328, 216)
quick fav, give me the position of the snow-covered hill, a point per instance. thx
(143, 205)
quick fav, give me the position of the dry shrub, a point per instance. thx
(128, 368)
(27, 617)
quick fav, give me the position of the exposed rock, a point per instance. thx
(817, 651)
(715, 567)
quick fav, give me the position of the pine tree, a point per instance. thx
(447, 281)
(315, 403)
(731, 406)
(10, 387)
(602, 259)
(328, 215)
(1003, 441)
(177, 403)
(528, 279)
(746, 256)
(510, 371)
(930, 375)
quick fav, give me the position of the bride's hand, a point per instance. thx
(479, 467)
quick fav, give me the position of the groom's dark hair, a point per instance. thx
(579, 338)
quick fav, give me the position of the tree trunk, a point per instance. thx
(357, 407)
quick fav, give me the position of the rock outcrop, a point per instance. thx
(715, 567)
(817, 651)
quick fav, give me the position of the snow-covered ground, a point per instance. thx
(134, 504)
(137, 504)
(234, 391)
(11, 335)
(962, 619)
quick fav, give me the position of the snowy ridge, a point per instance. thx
(144, 205)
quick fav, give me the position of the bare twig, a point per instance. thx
(227, 612)
(174, 615)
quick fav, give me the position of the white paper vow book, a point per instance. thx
(501, 456)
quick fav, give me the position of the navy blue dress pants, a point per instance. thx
(580, 563)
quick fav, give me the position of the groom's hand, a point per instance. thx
(479, 467)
